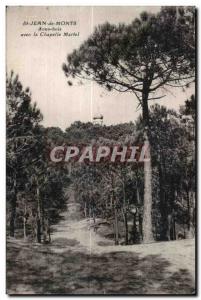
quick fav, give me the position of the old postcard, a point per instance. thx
(101, 150)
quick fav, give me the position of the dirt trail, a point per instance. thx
(81, 231)
(75, 263)
(74, 227)
(180, 254)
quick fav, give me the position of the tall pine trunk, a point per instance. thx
(147, 211)
(25, 220)
(114, 205)
(116, 226)
(189, 233)
(124, 210)
(124, 213)
(85, 209)
(38, 223)
(13, 209)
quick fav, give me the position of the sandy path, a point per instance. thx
(180, 254)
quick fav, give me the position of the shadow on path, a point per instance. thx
(40, 271)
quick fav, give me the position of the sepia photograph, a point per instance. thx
(101, 150)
